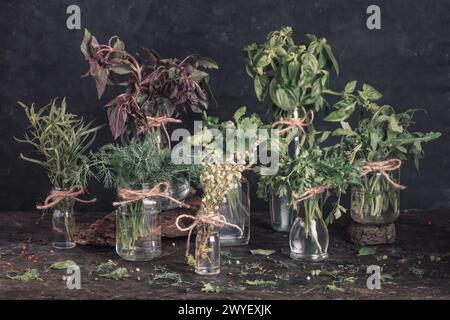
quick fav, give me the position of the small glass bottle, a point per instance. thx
(207, 249)
(309, 234)
(236, 210)
(138, 229)
(63, 223)
(281, 214)
(377, 201)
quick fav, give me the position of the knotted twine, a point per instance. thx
(310, 193)
(56, 196)
(383, 167)
(294, 123)
(130, 195)
(214, 219)
(161, 122)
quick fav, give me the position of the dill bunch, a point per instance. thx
(137, 163)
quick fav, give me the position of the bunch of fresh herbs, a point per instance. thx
(153, 86)
(60, 140)
(289, 77)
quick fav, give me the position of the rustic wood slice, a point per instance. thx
(103, 231)
(371, 235)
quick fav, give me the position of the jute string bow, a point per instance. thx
(56, 196)
(284, 125)
(383, 167)
(310, 193)
(130, 195)
(161, 122)
(214, 219)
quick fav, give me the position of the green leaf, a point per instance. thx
(63, 265)
(367, 251)
(371, 93)
(210, 288)
(393, 125)
(85, 44)
(350, 87)
(334, 288)
(342, 114)
(310, 63)
(29, 275)
(262, 252)
(260, 282)
(239, 114)
(260, 83)
(120, 69)
(386, 277)
(293, 69)
(330, 54)
(418, 272)
(263, 62)
(118, 274)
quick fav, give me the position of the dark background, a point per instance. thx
(408, 61)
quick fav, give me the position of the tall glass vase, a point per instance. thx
(63, 224)
(309, 238)
(376, 201)
(207, 249)
(236, 209)
(138, 229)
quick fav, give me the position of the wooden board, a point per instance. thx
(409, 269)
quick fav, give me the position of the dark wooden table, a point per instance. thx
(416, 267)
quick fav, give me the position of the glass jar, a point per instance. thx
(138, 229)
(377, 201)
(63, 223)
(236, 209)
(281, 214)
(178, 189)
(207, 249)
(309, 234)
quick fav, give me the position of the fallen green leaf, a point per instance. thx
(367, 251)
(334, 288)
(105, 267)
(262, 252)
(210, 288)
(118, 274)
(259, 282)
(29, 275)
(418, 272)
(60, 265)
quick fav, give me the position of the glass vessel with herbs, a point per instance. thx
(239, 146)
(311, 178)
(139, 171)
(381, 140)
(217, 179)
(156, 92)
(60, 140)
(290, 79)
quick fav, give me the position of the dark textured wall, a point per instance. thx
(408, 60)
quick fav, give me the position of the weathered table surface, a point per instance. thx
(409, 268)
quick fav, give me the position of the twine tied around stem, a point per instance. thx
(215, 219)
(310, 193)
(383, 167)
(56, 196)
(161, 122)
(284, 125)
(130, 195)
